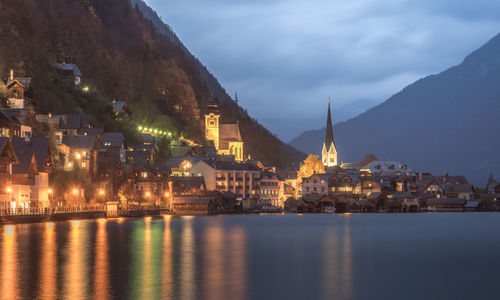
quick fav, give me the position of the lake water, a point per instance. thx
(358, 256)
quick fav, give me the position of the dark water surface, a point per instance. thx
(359, 256)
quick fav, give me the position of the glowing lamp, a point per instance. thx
(75, 191)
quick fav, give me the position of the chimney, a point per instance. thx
(11, 74)
(420, 176)
(27, 139)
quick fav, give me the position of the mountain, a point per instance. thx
(447, 122)
(126, 53)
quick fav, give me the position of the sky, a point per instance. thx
(285, 58)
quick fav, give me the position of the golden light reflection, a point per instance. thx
(75, 268)
(331, 259)
(188, 290)
(347, 261)
(147, 280)
(101, 268)
(213, 276)
(238, 271)
(48, 264)
(9, 266)
(167, 284)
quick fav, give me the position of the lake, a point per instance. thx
(315, 256)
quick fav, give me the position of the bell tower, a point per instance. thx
(329, 152)
(212, 117)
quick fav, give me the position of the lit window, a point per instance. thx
(84, 164)
(144, 174)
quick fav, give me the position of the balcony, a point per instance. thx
(220, 178)
(221, 187)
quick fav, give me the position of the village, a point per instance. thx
(120, 178)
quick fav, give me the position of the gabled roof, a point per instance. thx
(79, 141)
(175, 162)
(25, 81)
(69, 67)
(74, 121)
(39, 146)
(119, 106)
(15, 115)
(90, 131)
(458, 188)
(25, 160)
(116, 139)
(230, 166)
(230, 133)
(6, 145)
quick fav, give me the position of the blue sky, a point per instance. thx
(286, 57)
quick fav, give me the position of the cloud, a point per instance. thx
(289, 56)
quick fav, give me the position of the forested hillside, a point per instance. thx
(123, 56)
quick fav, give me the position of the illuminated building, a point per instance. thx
(226, 138)
(329, 152)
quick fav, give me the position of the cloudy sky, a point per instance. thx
(286, 57)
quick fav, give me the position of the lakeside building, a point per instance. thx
(241, 179)
(19, 91)
(8, 157)
(226, 138)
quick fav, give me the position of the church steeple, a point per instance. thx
(329, 153)
(329, 128)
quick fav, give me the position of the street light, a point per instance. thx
(75, 191)
(148, 194)
(9, 190)
(101, 192)
(49, 191)
(167, 194)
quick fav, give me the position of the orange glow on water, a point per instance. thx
(9, 268)
(101, 267)
(48, 264)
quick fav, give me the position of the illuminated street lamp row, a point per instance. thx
(154, 131)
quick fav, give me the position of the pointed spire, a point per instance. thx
(329, 129)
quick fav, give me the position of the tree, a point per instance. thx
(311, 165)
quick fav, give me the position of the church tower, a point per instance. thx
(212, 117)
(329, 152)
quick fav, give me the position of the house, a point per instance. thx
(315, 184)
(319, 203)
(40, 148)
(23, 179)
(69, 70)
(226, 138)
(271, 189)
(16, 122)
(445, 204)
(242, 179)
(295, 205)
(180, 165)
(8, 157)
(472, 205)
(77, 151)
(458, 190)
(149, 183)
(120, 110)
(195, 205)
(19, 91)
(367, 186)
(391, 168)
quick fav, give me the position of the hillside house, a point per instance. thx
(8, 157)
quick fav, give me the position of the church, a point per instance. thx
(226, 138)
(329, 152)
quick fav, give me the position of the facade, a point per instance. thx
(241, 179)
(70, 70)
(329, 153)
(8, 157)
(271, 189)
(78, 151)
(226, 138)
(316, 184)
(16, 122)
(19, 91)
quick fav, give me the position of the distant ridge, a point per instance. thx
(445, 122)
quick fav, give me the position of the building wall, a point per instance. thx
(40, 191)
(207, 172)
(212, 129)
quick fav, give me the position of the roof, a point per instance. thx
(119, 106)
(288, 174)
(270, 175)
(116, 139)
(90, 131)
(230, 133)
(431, 201)
(329, 129)
(74, 121)
(316, 197)
(175, 162)
(5, 144)
(36, 145)
(69, 67)
(472, 203)
(24, 163)
(231, 166)
(25, 81)
(14, 115)
(458, 188)
(79, 141)
(192, 199)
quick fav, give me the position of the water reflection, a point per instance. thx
(9, 269)
(101, 266)
(76, 268)
(238, 263)
(167, 270)
(213, 277)
(48, 264)
(187, 284)
(337, 268)
(147, 282)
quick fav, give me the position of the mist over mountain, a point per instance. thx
(447, 122)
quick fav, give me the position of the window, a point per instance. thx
(144, 174)
(84, 153)
(84, 165)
